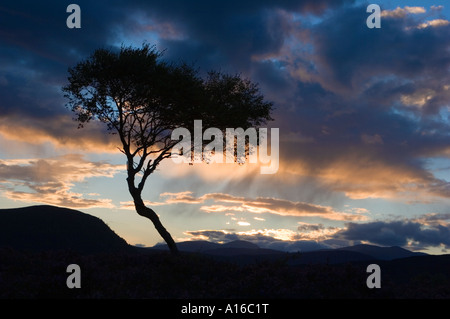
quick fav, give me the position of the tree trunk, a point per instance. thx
(145, 211)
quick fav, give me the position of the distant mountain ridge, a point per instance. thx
(44, 227)
(241, 249)
(201, 246)
(382, 253)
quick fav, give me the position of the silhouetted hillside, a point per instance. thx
(196, 246)
(328, 256)
(357, 253)
(238, 251)
(237, 247)
(419, 268)
(383, 253)
(230, 251)
(240, 244)
(40, 228)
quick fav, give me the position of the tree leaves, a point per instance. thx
(142, 98)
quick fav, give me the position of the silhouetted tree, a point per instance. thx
(143, 99)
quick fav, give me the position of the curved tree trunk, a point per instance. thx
(145, 211)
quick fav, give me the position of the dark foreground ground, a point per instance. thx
(159, 275)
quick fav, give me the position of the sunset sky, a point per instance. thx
(363, 116)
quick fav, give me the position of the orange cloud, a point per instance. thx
(362, 173)
(320, 233)
(259, 205)
(129, 205)
(434, 23)
(317, 232)
(402, 12)
(50, 181)
(358, 173)
(60, 131)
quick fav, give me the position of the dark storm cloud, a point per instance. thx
(351, 54)
(228, 33)
(37, 47)
(353, 102)
(358, 69)
(369, 104)
(397, 233)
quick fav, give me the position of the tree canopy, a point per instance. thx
(142, 99)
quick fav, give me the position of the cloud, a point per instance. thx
(51, 180)
(60, 131)
(343, 67)
(218, 236)
(434, 23)
(370, 107)
(228, 203)
(357, 115)
(398, 233)
(402, 12)
(181, 197)
(37, 49)
(434, 219)
(279, 239)
(243, 223)
(129, 205)
(368, 169)
(212, 28)
(429, 230)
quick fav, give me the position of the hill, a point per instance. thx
(328, 256)
(238, 251)
(203, 246)
(240, 244)
(197, 246)
(43, 228)
(357, 253)
(382, 253)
